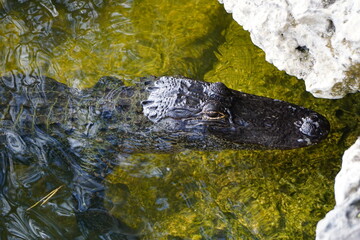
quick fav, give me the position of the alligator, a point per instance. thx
(47, 119)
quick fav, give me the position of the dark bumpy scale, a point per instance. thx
(41, 117)
(157, 114)
(220, 118)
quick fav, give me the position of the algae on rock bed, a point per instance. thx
(148, 38)
(127, 39)
(238, 195)
(197, 195)
(244, 194)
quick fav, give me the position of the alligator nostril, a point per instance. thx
(308, 129)
(310, 126)
(314, 118)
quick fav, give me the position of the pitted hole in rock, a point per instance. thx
(302, 49)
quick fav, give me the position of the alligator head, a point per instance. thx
(224, 118)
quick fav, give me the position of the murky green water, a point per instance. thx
(188, 195)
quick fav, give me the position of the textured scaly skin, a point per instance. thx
(83, 132)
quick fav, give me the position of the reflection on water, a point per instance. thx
(189, 195)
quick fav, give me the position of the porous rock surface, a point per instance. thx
(316, 40)
(343, 222)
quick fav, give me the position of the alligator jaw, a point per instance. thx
(271, 123)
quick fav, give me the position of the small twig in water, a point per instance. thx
(46, 198)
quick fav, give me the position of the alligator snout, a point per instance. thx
(314, 127)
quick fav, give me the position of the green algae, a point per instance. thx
(188, 195)
(241, 195)
(246, 194)
(352, 80)
(127, 39)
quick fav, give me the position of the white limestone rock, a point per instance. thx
(347, 181)
(343, 222)
(316, 40)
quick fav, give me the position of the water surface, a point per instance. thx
(187, 195)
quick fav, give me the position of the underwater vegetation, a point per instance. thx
(189, 195)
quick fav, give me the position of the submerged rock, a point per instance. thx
(343, 222)
(316, 40)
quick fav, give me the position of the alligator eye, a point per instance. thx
(214, 115)
(213, 110)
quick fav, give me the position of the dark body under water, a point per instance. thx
(92, 129)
